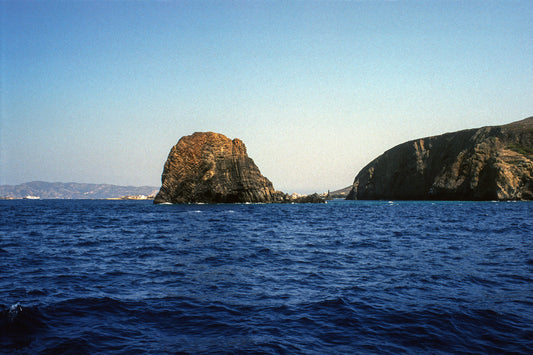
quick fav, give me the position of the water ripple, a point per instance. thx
(345, 277)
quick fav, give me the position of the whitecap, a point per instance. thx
(14, 310)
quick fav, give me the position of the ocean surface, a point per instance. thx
(121, 277)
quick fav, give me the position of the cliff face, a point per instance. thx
(489, 163)
(211, 168)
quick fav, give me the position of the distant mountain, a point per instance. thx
(72, 190)
(342, 193)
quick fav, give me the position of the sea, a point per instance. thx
(346, 277)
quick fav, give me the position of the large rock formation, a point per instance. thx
(489, 163)
(208, 167)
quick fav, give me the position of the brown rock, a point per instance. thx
(489, 163)
(211, 168)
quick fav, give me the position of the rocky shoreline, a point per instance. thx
(488, 163)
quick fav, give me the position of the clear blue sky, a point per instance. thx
(99, 91)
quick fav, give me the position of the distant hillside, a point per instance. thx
(71, 190)
(342, 193)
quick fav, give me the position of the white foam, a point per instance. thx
(14, 310)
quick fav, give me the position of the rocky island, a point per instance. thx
(208, 167)
(488, 163)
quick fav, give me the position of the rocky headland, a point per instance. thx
(208, 167)
(488, 163)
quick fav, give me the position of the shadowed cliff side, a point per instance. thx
(489, 163)
(208, 167)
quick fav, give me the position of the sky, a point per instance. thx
(99, 91)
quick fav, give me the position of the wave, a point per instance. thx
(339, 324)
(19, 325)
(347, 278)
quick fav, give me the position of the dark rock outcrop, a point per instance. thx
(313, 198)
(208, 167)
(489, 163)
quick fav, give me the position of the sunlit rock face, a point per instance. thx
(489, 163)
(208, 167)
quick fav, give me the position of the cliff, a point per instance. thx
(208, 167)
(488, 163)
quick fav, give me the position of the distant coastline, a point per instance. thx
(75, 191)
(41, 190)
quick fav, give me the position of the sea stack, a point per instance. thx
(488, 163)
(208, 167)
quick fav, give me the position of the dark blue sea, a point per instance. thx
(122, 277)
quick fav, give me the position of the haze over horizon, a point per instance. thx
(98, 92)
